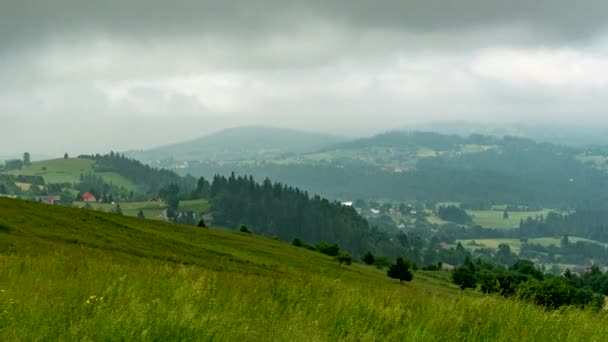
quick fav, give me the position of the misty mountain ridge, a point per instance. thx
(241, 143)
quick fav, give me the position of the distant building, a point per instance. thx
(375, 211)
(347, 204)
(394, 212)
(49, 199)
(89, 197)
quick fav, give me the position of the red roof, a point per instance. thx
(87, 195)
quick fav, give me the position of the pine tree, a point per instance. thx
(140, 214)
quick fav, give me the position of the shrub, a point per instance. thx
(551, 293)
(504, 283)
(344, 257)
(400, 270)
(369, 258)
(297, 242)
(325, 248)
(464, 277)
(202, 224)
(382, 262)
(244, 229)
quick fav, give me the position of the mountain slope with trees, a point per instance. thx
(241, 143)
(405, 166)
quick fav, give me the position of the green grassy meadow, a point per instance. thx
(68, 171)
(515, 244)
(494, 218)
(71, 274)
(151, 209)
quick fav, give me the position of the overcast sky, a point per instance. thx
(83, 76)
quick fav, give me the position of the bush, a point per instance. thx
(325, 248)
(527, 267)
(551, 293)
(504, 283)
(244, 229)
(433, 267)
(400, 270)
(382, 262)
(202, 224)
(344, 257)
(369, 258)
(297, 242)
(464, 277)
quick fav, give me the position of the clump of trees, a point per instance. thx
(525, 281)
(275, 209)
(454, 214)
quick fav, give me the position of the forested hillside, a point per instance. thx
(405, 166)
(287, 212)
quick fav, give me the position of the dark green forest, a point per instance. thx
(516, 171)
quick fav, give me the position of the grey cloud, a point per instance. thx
(146, 19)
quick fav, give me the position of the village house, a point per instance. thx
(49, 199)
(89, 197)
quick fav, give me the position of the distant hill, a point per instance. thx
(105, 176)
(33, 157)
(241, 143)
(436, 167)
(581, 134)
(69, 171)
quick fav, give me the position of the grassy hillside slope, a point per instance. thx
(164, 282)
(69, 170)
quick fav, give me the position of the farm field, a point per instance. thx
(110, 277)
(68, 171)
(151, 209)
(515, 244)
(494, 218)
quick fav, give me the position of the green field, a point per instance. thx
(515, 244)
(164, 282)
(68, 171)
(494, 218)
(151, 209)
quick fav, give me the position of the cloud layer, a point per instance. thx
(179, 69)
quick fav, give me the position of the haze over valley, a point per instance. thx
(303, 171)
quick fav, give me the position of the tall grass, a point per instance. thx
(162, 282)
(44, 298)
